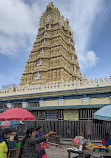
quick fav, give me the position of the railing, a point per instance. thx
(56, 86)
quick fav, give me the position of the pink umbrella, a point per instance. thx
(16, 114)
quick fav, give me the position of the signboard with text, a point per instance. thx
(51, 115)
(71, 115)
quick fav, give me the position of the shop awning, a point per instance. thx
(67, 107)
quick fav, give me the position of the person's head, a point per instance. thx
(14, 133)
(106, 135)
(39, 129)
(6, 133)
(30, 133)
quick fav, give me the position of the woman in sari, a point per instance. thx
(28, 146)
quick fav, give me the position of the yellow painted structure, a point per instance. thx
(70, 102)
(53, 57)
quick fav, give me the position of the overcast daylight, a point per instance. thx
(89, 20)
(55, 78)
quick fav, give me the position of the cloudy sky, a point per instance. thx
(90, 21)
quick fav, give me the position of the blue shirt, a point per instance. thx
(38, 135)
(108, 142)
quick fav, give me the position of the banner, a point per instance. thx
(71, 115)
(51, 115)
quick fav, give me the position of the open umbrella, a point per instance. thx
(103, 113)
(16, 114)
(10, 124)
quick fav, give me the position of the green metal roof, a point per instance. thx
(66, 107)
(63, 107)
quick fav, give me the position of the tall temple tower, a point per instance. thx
(53, 56)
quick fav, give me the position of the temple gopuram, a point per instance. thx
(53, 57)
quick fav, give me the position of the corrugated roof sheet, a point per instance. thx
(63, 107)
(66, 107)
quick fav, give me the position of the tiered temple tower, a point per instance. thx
(53, 56)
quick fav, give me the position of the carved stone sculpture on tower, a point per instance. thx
(37, 77)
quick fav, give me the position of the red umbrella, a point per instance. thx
(16, 114)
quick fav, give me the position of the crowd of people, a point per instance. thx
(31, 146)
(33, 143)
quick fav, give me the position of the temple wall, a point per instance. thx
(92, 101)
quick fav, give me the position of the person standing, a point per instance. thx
(40, 146)
(4, 149)
(28, 145)
(106, 141)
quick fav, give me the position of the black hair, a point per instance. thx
(5, 132)
(38, 128)
(3, 138)
(28, 132)
(107, 134)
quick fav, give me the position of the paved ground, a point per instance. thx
(53, 152)
(57, 152)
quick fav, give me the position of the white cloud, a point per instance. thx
(88, 59)
(83, 17)
(17, 25)
(19, 22)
